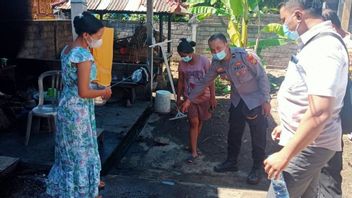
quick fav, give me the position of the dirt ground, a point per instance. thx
(159, 152)
(155, 164)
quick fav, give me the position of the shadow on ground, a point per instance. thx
(159, 155)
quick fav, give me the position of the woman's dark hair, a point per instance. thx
(219, 36)
(86, 22)
(332, 16)
(186, 46)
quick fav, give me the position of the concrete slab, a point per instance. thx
(115, 119)
(7, 165)
(119, 119)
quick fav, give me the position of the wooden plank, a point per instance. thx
(346, 13)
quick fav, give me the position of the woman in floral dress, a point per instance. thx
(76, 170)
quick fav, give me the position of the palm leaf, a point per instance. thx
(212, 2)
(274, 28)
(195, 2)
(235, 35)
(235, 7)
(203, 16)
(253, 4)
(202, 10)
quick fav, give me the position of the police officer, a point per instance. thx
(250, 101)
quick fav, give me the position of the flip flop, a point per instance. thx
(192, 158)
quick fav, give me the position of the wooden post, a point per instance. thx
(346, 13)
(169, 33)
(150, 42)
(161, 31)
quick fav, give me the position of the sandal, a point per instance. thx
(101, 185)
(192, 158)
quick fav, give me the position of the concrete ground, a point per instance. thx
(115, 119)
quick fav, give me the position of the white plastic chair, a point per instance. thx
(48, 79)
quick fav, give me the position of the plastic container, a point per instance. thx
(98, 101)
(162, 101)
(280, 188)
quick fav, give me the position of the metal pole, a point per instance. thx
(150, 42)
(77, 7)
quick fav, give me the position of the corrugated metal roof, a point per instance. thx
(92, 4)
(160, 6)
(117, 5)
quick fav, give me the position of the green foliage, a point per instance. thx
(239, 12)
(222, 87)
(270, 4)
(274, 28)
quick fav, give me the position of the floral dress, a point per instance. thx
(76, 170)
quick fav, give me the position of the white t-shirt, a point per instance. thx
(320, 69)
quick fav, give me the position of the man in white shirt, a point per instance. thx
(309, 101)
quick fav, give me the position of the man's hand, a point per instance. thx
(275, 164)
(266, 108)
(185, 105)
(275, 134)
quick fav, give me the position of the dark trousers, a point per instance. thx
(258, 126)
(330, 179)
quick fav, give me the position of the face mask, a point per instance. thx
(293, 35)
(186, 59)
(220, 55)
(95, 43)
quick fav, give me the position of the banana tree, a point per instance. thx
(238, 13)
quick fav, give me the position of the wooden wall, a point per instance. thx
(41, 9)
